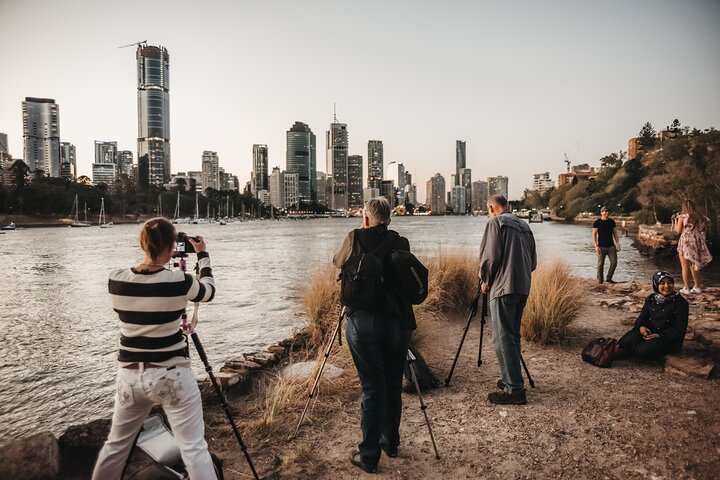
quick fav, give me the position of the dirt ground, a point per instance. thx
(632, 421)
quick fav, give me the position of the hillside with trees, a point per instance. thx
(681, 164)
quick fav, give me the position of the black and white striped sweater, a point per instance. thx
(150, 305)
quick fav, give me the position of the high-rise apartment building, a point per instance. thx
(321, 188)
(41, 135)
(153, 74)
(460, 159)
(435, 189)
(105, 173)
(68, 162)
(277, 188)
(300, 158)
(542, 182)
(466, 181)
(259, 179)
(337, 165)
(4, 148)
(459, 199)
(375, 163)
(291, 190)
(479, 195)
(388, 190)
(210, 170)
(355, 181)
(498, 186)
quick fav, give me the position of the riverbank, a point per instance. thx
(635, 420)
(45, 221)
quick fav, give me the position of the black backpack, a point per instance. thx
(410, 275)
(362, 275)
(425, 378)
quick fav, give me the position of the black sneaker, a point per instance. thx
(500, 384)
(610, 280)
(390, 451)
(503, 398)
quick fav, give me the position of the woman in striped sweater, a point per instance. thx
(154, 363)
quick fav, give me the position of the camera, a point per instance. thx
(182, 245)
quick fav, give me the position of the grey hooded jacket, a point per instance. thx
(507, 256)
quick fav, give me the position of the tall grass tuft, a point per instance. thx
(555, 301)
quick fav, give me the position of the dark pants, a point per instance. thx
(611, 253)
(505, 315)
(634, 344)
(378, 344)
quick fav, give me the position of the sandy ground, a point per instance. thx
(633, 421)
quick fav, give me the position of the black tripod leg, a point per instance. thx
(423, 407)
(336, 333)
(223, 401)
(483, 315)
(527, 372)
(473, 312)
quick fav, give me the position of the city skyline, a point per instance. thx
(522, 86)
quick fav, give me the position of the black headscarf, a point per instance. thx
(657, 278)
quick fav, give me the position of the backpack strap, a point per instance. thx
(382, 250)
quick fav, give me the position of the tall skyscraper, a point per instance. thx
(260, 169)
(210, 170)
(460, 159)
(68, 162)
(300, 158)
(41, 135)
(153, 73)
(125, 162)
(375, 163)
(337, 165)
(479, 195)
(277, 188)
(355, 181)
(322, 188)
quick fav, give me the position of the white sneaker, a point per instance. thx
(696, 290)
(685, 291)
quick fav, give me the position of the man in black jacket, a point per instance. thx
(378, 338)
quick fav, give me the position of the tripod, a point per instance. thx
(189, 329)
(337, 334)
(411, 366)
(483, 315)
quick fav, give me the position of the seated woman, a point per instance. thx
(660, 327)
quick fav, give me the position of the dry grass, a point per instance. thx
(555, 301)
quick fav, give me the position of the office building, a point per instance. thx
(277, 188)
(387, 190)
(300, 158)
(41, 136)
(355, 181)
(68, 162)
(125, 163)
(466, 181)
(104, 173)
(321, 183)
(195, 179)
(259, 180)
(435, 189)
(460, 159)
(105, 152)
(210, 170)
(375, 163)
(498, 186)
(291, 190)
(459, 200)
(153, 74)
(337, 165)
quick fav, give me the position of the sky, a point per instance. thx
(522, 82)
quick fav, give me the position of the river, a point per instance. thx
(58, 333)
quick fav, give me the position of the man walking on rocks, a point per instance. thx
(607, 244)
(507, 259)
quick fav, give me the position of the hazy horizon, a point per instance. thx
(521, 83)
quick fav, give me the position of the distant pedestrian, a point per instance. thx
(507, 259)
(607, 244)
(378, 337)
(693, 252)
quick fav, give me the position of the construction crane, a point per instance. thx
(143, 43)
(567, 162)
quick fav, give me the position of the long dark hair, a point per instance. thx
(156, 236)
(695, 216)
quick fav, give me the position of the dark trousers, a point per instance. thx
(610, 252)
(634, 344)
(378, 344)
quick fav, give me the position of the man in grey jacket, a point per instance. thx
(507, 259)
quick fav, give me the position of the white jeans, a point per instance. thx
(137, 391)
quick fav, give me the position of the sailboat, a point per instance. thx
(176, 215)
(76, 222)
(197, 218)
(101, 220)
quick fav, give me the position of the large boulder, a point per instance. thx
(32, 458)
(79, 447)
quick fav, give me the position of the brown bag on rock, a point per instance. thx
(600, 352)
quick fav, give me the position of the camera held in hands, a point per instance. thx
(182, 245)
